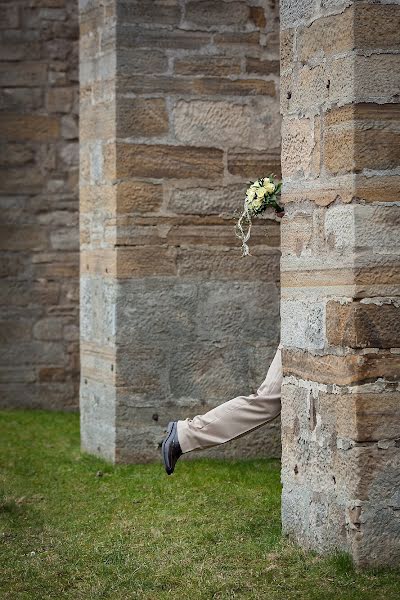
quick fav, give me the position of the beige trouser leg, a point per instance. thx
(235, 417)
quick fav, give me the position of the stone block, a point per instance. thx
(212, 14)
(361, 325)
(26, 74)
(36, 128)
(48, 329)
(226, 124)
(204, 200)
(262, 67)
(141, 117)
(349, 369)
(206, 264)
(238, 40)
(141, 61)
(300, 147)
(287, 57)
(303, 324)
(161, 38)
(59, 99)
(214, 66)
(325, 36)
(251, 164)
(138, 197)
(174, 162)
(149, 12)
(376, 26)
(97, 417)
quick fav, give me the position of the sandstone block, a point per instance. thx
(9, 17)
(361, 325)
(211, 14)
(175, 162)
(141, 117)
(262, 67)
(161, 38)
(251, 164)
(215, 66)
(327, 35)
(36, 128)
(300, 147)
(24, 74)
(349, 369)
(60, 99)
(149, 12)
(140, 60)
(138, 197)
(225, 124)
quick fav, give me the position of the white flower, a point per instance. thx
(269, 188)
(261, 192)
(251, 192)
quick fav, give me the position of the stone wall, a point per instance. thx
(179, 109)
(39, 204)
(340, 277)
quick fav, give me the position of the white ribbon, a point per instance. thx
(241, 234)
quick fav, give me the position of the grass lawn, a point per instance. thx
(210, 531)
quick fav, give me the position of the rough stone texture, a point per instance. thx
(340, 278)
(39, 355)
(179, 109)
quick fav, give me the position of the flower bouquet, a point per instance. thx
(260, 194)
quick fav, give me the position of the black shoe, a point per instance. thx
(171, 449)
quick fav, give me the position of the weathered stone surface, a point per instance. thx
(142, 117)
(212, 14)
(174, 162)
(361, 325)
(214, 66)
(226, 124)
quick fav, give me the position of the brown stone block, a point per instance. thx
(52, 374)
(206, 264)
(164, 13)
(250, 165)
(234, 87)
(23, 180)
(362, 416)
(138, 197)
(214, 66)
(262, 67)
(358, 276)
(257, 16)
(355, 150)
(350, 369)
(379, 188)
(26, 74)
(376, 26)
(141, 60)
(297, 234)
(144, 117)
(251, 38)
(300, 147)
(146, 261)
(161, 38)
(326, 35)
(174, 162)
(15, 154)
(211, 14)
(360, 325)
(23, 237)
(36, 128)
(162, 84)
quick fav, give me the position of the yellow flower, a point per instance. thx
(265, 180)
(256, 203)
(256, 184)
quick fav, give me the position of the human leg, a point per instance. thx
(235, 417)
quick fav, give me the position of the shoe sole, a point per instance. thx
(164, 448)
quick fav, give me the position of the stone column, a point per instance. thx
(179, 108)
(340, 278)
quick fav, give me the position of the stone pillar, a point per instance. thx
(340, 278)
(179, 108)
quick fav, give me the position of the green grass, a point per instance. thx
(211, 531)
